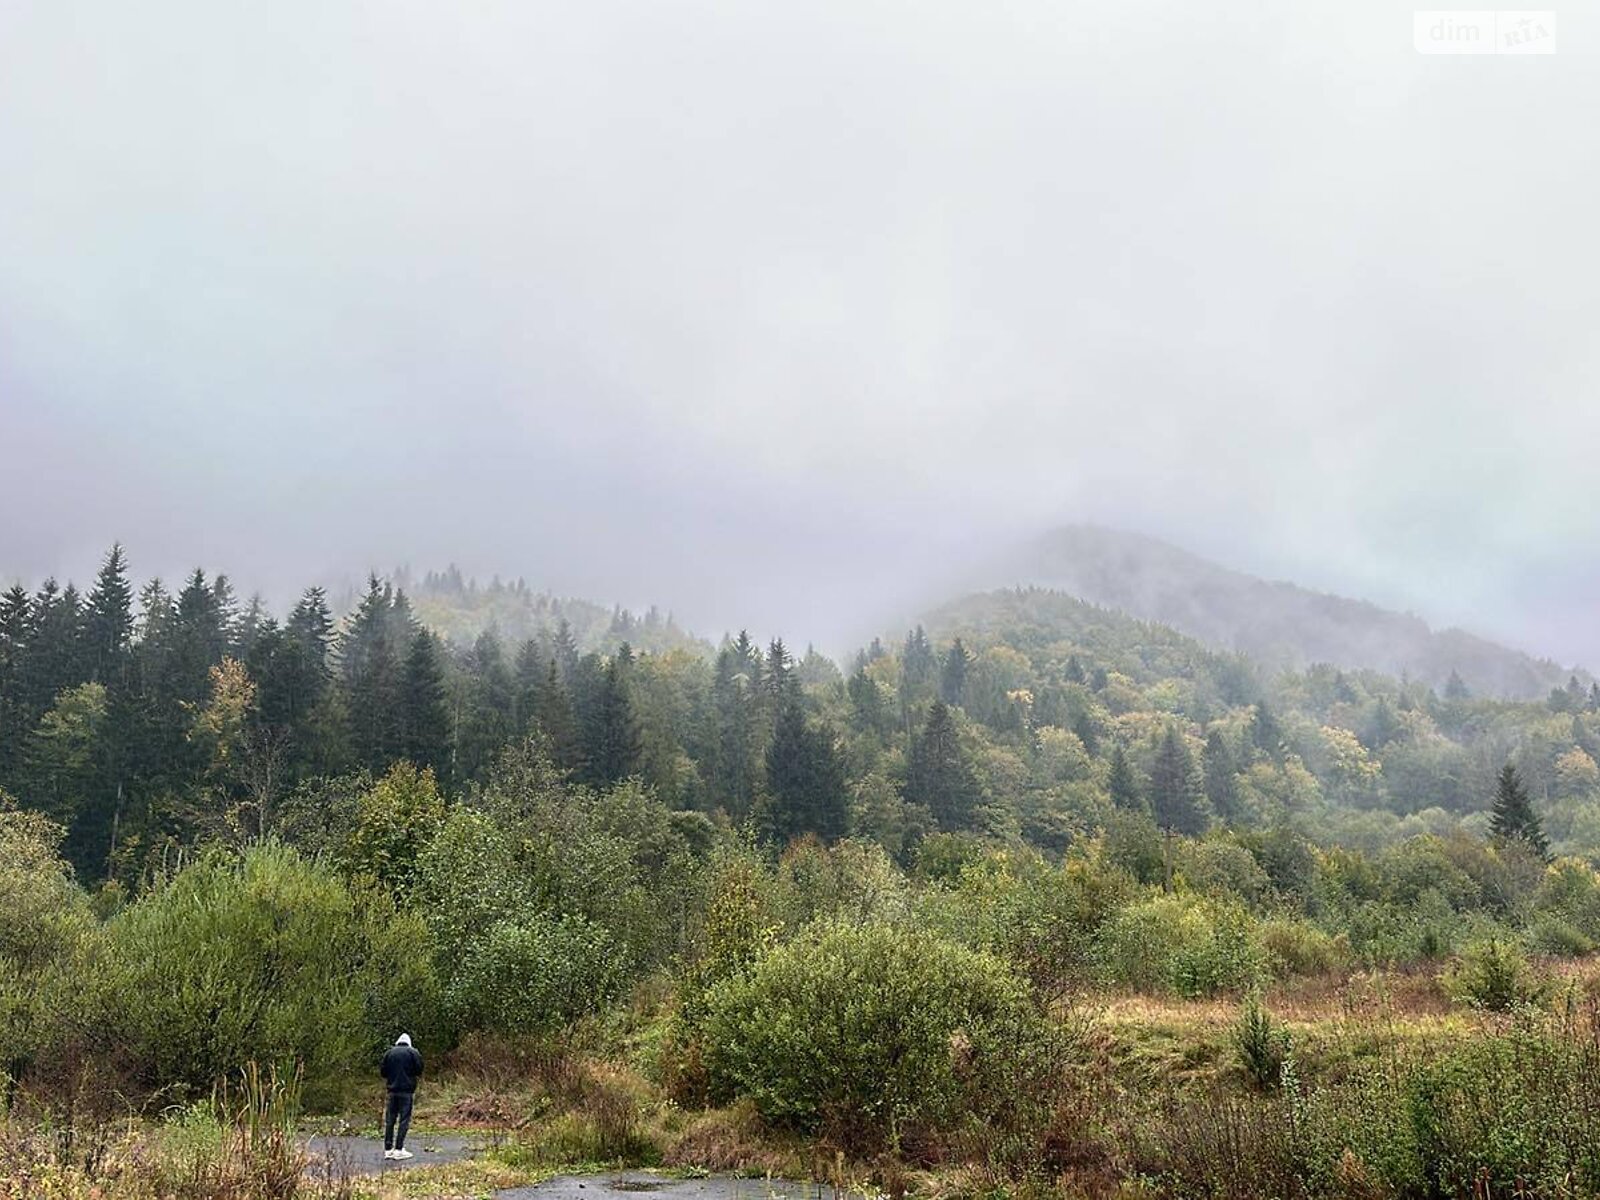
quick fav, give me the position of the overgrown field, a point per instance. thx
(596, 980)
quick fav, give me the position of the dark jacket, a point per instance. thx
(401, 1068)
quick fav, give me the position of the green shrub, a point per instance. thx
(534, 975)
(1512, 1114)
(1296, 947)
(50, 949)
(1040, 917)
(1558, 938)
(1492, 975)
(864, 1030)
(1181, 944)
(264, 956)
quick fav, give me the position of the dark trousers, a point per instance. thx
(396, 1120)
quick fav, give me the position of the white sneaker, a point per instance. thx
(404, 1154)
(388, 1153)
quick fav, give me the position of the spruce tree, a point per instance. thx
(805, 779)
(529, 673)
(938, 775)
(1512, 819)
(1383, 727)
(426, 715)
(1083, 726)
(867, 706)
(16, 623)
(612, 744)
(108, 623)
(1122, 785)
(953, 676)
(50, 659)
(564, 651)
(734, 702)
(371, 662)
(489, 701)
(199, 642)
(1174, 788)
(1221, 779)
(1265, 733)
(553, 717)
(918, 665)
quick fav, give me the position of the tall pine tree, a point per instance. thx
(1121, 783)
(938, 775)
(1174, 787)
(805, 779)
(1512, 820)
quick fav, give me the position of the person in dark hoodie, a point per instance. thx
(401, 1068)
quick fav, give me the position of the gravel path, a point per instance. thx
(643, 1185)
(364, 1155)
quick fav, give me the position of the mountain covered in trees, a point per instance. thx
(146, 718)
(1279, 625)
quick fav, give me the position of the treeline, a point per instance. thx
(147, 723)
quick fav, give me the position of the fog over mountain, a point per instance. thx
(1275, 623)
(754, 313)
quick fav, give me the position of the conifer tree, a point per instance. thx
(1383, 727)
(1221, 779)
(918, 665)
(488, 703)
(16, 622)
(1122, 785)
(1174, 788)
(1512, 819)
(953, 676)
(529, 673)
(426, 719)
(198, 642)
(1083, 726)
(612, 745)
(867, 707)
(781, 685)
(108, 623)
(1265, 733)
(938, 775)
(553, 717)
(372, 663)
(733, 692)
(805, 779)
(53, 648)
(564, 651)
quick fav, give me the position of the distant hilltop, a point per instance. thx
(1279, 625)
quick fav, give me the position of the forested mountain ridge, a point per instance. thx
(1280, 625)
(459, 608)
(145, 722)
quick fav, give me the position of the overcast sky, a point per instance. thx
(770, 312)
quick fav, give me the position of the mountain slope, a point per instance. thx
(1279, 625)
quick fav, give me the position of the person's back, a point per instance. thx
(401, 1069)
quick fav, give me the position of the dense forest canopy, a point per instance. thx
(144, 718)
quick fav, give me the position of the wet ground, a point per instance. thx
(339, 1156)
(346, 1155)
(643, 1185)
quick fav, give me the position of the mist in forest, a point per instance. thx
(795, 319)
